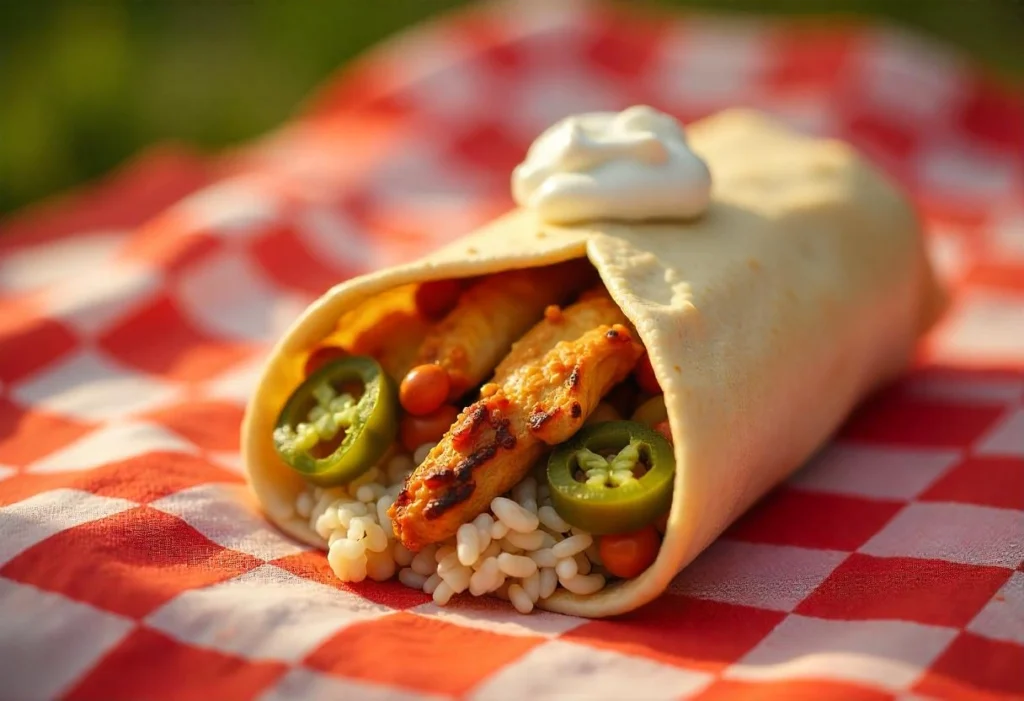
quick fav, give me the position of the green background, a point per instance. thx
(84, 84)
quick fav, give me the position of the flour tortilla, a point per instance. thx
(803, 288)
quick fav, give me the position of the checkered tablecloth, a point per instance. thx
(134, 317)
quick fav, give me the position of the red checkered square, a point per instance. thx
(973, 667)
(159, 339)
(678, 630)
(624, 49)
(808, 59)
(928, 591)
(985, 481)
(171, 242)
(28, 434)
(997, 275)
(141, 479)
(30, 341)
(150, 666)
(790, 690)
(993, 116)
(114, 442)
(891, 144)
(282, 254)
(897, 420)
(210, 424)
(436, 657)
(826, 521)
(129, 563)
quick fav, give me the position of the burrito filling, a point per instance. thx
(495, 461)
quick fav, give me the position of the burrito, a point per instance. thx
(563, 408)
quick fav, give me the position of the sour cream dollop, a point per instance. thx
(633, 165)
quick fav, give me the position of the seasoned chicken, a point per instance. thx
(543, 392)
(491, 315)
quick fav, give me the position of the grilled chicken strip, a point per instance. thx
(492, 314)
(547, 387)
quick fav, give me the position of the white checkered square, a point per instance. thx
(908, 79)
(237, 384)
(774, 577)
(553, 94)
(112, 443)
(37, 267)
(227, 296)
(419, 169)
(969, 390)
(439, 78)
(28, 522)
(1008, 236)
(563, 670)
(93, 301)
(226, 514)
(232, 208)
(805, 113)
(265, 614)
(47, 642)
(891, 654)
(984, 328)
(332, 238)
(948, 251)
(1006, 438)
(961, 170)
(712, 63)
(1003, 617)
(301, 683)
(875, 472)
(89, 385)
(973, 535)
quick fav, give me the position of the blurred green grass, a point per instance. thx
(84, 84)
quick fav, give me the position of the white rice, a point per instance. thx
(520, 550)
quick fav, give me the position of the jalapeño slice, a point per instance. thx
(339, 422)
(613, 477)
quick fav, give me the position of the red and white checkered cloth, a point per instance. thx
(134, 316)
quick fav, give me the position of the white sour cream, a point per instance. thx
(633, 165)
